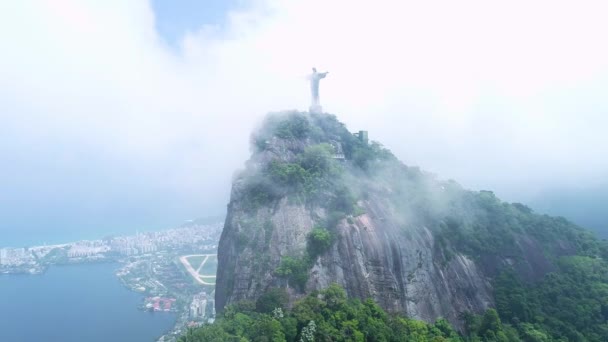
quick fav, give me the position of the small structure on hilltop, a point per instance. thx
(315, 78)
(362, 135)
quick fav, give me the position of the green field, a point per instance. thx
(210, 267)
(195, 261)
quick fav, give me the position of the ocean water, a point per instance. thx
(75, 303)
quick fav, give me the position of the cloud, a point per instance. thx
(508, 96)
(495, 95)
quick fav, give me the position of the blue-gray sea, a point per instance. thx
(75, 303)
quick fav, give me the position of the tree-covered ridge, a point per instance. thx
(326, 316)
(571, 305)
(568, 305)
(489, 226)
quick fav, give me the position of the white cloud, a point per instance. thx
(496, 95)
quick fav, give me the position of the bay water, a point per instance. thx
(75, 303)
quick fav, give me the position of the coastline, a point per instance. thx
(77, 302)
(148, 265)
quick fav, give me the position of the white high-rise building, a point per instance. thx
(3, 256)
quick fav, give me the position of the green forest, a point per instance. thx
(569, 305)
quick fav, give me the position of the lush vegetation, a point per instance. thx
(324, 316)
(319, 241)
(482, 225)
(569, 305)
(295, 269)
(309, 174)
(314, 172)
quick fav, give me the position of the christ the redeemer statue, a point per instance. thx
(315, 77)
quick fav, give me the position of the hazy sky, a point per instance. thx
(117, 114)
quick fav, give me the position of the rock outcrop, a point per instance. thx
(416, 245)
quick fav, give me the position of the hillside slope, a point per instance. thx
(318, 205)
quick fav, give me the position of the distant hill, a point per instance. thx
(586, 207)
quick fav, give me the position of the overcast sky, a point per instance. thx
(130, 114)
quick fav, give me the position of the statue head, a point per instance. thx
(314, 69)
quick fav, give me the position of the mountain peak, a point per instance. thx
(318, 205)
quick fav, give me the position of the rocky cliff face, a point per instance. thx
(317, 205)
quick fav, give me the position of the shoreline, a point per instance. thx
(77, 292)
(150, 265)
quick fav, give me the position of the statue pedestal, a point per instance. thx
(315, 109)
